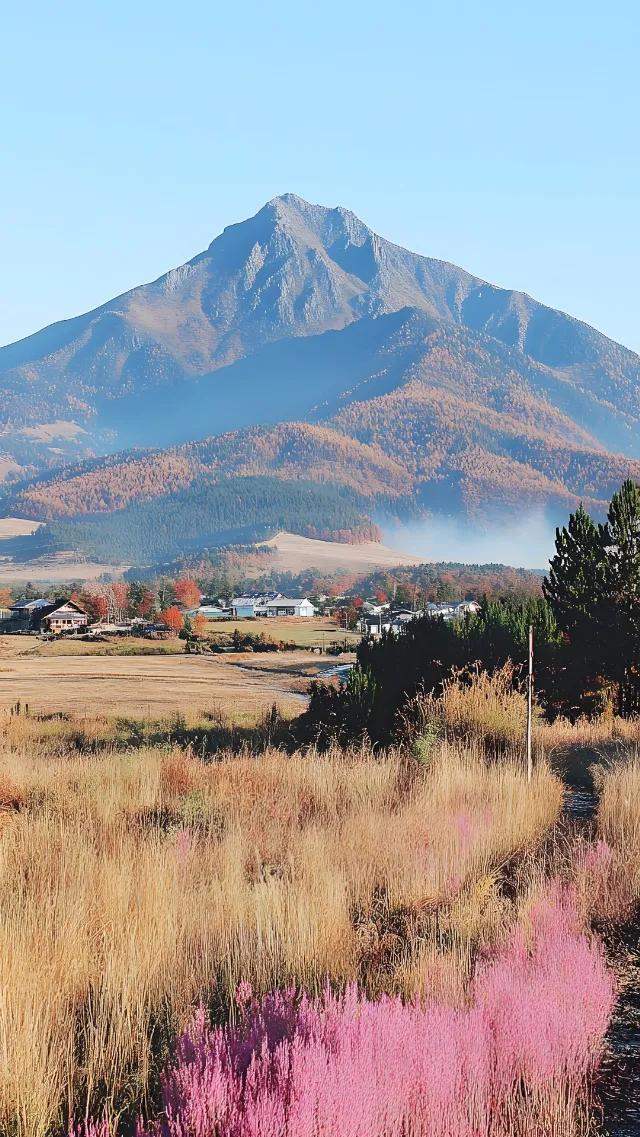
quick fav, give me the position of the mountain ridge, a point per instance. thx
(392, 375)
(289, 271)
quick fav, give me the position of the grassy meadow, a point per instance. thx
(143, 873)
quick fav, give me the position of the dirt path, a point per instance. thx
(619, 1084)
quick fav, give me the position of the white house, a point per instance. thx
(286, 606)
(373, 624)
(452, 610)
(253, 604)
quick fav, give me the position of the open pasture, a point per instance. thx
(149, 685)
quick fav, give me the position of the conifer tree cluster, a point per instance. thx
(593, 588)
(586, 634)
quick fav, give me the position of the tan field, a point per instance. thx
(152, 685)
(316, 632)
(46, 570)
(16, 526)
(294, 554)
(55, 570)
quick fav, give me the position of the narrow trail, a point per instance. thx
(619, 1083)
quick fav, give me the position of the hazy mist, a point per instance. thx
(528, 543)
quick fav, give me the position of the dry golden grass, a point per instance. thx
(488, 708)
(144, 685)
(122, 646)
(609, 874)
(619, 805)
(314, 631)
(133, 884)
(473, 705)
(594, 732)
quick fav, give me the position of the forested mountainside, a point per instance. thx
(207, 514)
(291, 451)
(300, 347)
(411, 450)
(285, 317)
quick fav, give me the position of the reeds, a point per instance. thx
(611, 867)
(138, 879)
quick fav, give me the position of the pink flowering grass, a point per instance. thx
(517, 1060)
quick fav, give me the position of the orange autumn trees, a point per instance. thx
(188, 595)
(199, 625)
(171, 618)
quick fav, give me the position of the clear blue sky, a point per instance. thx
(500, 136)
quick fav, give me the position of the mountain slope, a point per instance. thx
(294, 271)
(417, 448)
(301, 350)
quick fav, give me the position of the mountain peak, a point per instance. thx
(294, 270)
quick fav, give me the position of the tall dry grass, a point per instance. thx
(609, 871)
(473, 704)
(133, 884)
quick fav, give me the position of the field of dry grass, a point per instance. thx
(16, 527)
(136, 883)
(296, 554)
(149, 685)
(138, 877)
(315, 632)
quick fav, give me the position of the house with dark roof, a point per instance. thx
(45, 616)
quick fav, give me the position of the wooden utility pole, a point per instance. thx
(530, 704)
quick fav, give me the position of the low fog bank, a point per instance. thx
(528, 543)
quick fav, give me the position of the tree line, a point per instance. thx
(586, 633)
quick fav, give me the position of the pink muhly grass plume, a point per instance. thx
(516, 1061)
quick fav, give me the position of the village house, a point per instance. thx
(452, 609)
(253, 604)
(375, 623)
(270, 604)
(210, 612)
(45, 616)
(290, 606)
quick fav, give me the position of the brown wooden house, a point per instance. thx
(47, 616)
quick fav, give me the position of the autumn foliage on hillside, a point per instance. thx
(455, 439)
(420, 443)
(291, 451)
(466, 457)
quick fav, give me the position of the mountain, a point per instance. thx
(293, 273)
(302, 346)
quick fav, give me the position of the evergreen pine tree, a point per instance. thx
(576, 590)
(577, 573)
(621, 631)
